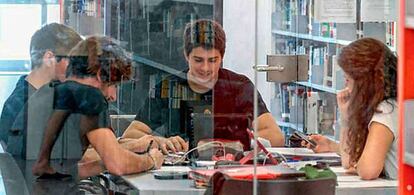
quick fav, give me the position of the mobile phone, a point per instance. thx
(305, 138)
(171, 175)
(332, 162)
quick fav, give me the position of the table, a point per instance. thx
(146, 184)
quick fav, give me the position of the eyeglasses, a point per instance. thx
(59, 58)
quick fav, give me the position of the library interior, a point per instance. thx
(206, 97)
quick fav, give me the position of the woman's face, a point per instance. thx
(349, 82)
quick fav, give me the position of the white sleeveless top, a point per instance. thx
(389, 118)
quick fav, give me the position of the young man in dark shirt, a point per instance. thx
(228, 92)
(96, 65)
(48, 48)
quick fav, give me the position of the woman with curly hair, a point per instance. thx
(368, 111)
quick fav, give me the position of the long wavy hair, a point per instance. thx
(373, 67)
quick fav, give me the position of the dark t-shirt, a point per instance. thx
(13, 105)
(232, 94)
(76, 98)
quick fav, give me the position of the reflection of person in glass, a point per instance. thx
(205, 79)
(96, 65)
(48, 48)
(368, 110)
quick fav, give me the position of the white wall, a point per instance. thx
(239, 25)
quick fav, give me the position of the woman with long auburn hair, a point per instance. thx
(368, 111)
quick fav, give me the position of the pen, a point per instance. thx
(149, 146)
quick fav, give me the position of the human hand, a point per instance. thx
(175, 144)
(323, 144)
(138, 145)
(157, 157)
(342, 98)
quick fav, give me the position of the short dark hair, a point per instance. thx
(54, 37)
(99, 54)
(204, 33)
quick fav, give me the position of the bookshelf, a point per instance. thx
(318, 87)
(406, 96)
(311, 37)
(410, 22)
(298, 29)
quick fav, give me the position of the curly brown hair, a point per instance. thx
(99, 54)
(373, 67)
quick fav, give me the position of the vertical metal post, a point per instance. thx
(255, 97)
(359, 24)
(118, 15)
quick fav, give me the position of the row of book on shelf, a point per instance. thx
(302, 17)
(323, 66)
(162, 86)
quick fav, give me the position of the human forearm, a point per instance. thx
(268, 129)
(52, 131)
(134, 145)
(335, 147)
(344, 148)
(129, 163)
(117, 160)
(276, 140)
(135, 165)
(136, 130)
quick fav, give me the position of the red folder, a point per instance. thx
(262, 173)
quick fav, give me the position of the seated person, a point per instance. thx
(96, 65)
(368, 110)
(205, 79)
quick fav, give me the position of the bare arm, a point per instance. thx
(136, 130)
(371, 162)
(342, 98)
(118, 160)
(323, 144)
(53, 129)
(134, 145)
(344, 148)
(268, 129)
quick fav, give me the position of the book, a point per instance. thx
(201, 177)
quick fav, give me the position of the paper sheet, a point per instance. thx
(357, 182)
(339, 169)
(301, 152)
(205, 163)
(339, 11)
(173, 168)
(378, 10)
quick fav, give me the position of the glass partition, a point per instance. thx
(155, 96)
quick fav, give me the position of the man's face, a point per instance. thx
(204, 66)
(109, 91)
(60, 69)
